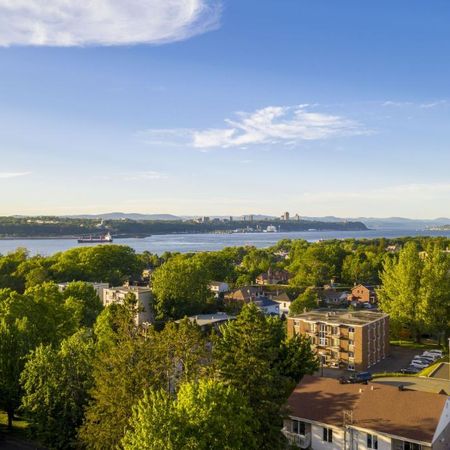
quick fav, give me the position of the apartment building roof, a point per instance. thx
(138, 289)
(209, 319)
(407, 414)
(341, 316)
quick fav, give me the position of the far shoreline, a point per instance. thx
(70, 237)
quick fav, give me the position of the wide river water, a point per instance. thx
(208, 242)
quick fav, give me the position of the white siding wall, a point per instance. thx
(384, 442)
(318, 444)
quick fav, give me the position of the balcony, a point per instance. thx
(297, 439)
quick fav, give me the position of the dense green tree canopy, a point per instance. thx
(180, 287)
(56, 383)
(205, 415)
(415, 289)
(306, 301)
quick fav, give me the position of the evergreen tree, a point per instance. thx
(253, 356)
(400, 293)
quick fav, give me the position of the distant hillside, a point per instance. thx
(126, 216)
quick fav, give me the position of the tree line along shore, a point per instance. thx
(57, 227)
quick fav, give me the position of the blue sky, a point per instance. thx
(225, 107)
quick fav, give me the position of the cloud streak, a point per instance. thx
(13, 174)
(286, 125)
(144, 176)
(413, 191)
(104, 22)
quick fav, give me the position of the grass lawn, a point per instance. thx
(19, 426)
(426, 344)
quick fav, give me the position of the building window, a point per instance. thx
(351, 342)
(299, 427)
(351, 355)
(411, 446)
(372, 441)
(351, 330)
(327, 435)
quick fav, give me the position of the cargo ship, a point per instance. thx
(105, 239)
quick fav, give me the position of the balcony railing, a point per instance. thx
(297, 439)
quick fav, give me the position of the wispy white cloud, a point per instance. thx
(144, 175)
(104, 22)
(413, 191)
(276, 124)
(13, 174)
(397, 103)
(424, 105)
(433, 104)
(286, 125)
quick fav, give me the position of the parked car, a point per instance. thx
(428, 359)
(432, 356)
(436, 352)
(361, 377)
(420, 364)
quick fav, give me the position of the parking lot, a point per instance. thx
(399, 358)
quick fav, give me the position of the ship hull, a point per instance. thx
(95, 241)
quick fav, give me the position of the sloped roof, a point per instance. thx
(407, 414)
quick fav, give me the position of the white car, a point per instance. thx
(430, 359)
(433, 356)
(436, 352)
(418, 363)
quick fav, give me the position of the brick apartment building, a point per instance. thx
(348, 340)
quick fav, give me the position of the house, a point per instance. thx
(218, 287)
(98, 287)
(363, 293)
(273, 276)
(284, 302)
(350, 340)
(331, 297)
(267, 306)
(326, 415)
(143, 296)
(207, 322)
(395, 248)
(245, 293)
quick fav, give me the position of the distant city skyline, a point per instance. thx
(198, 107)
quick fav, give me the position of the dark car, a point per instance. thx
(410, 370)
(361, 377)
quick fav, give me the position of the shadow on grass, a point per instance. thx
(16, 438)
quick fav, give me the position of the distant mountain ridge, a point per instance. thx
(125, 216)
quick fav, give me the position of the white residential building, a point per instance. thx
(143, 296)
(327, 415)
(98, 287)
(218, 287)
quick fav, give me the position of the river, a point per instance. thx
(208, 242)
